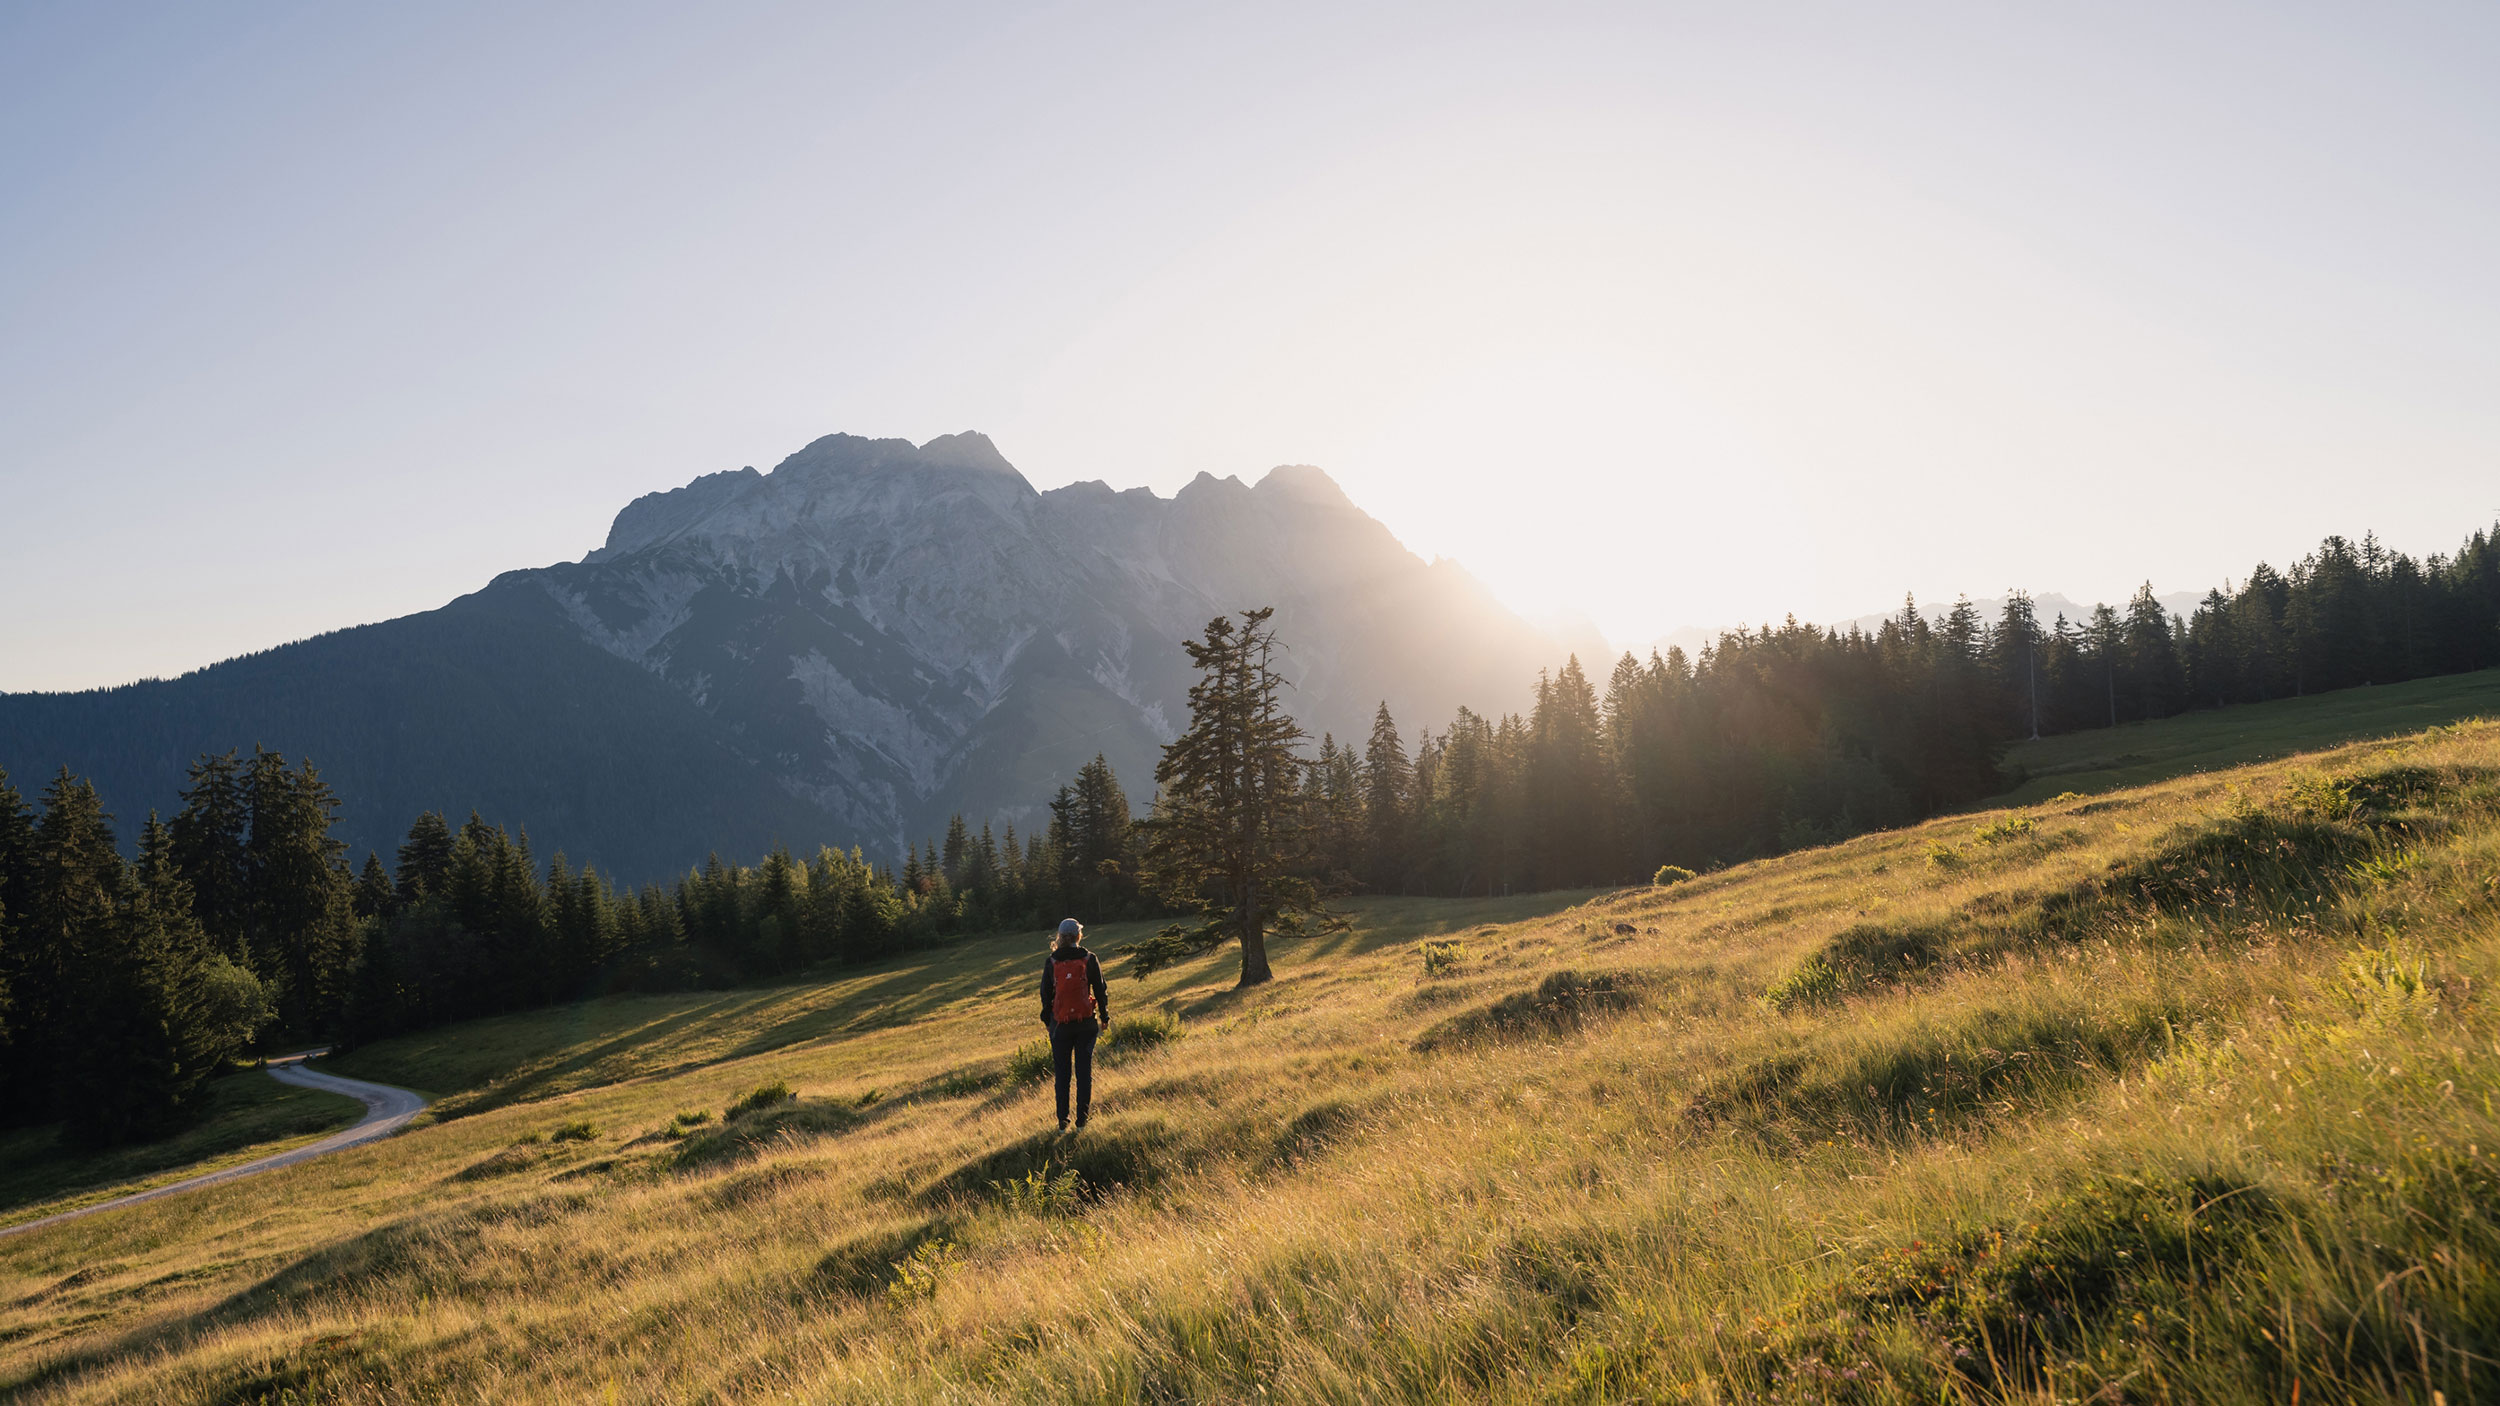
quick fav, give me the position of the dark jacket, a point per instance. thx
(1093, 977)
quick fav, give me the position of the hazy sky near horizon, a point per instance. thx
(1665, 314)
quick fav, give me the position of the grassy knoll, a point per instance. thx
(2104, 759)
(249, 1115)
(2173, 1093)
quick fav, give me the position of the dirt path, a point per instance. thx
(387, 1110)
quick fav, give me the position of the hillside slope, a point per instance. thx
(846, 650)
(2131, 754)
(2175, 1093)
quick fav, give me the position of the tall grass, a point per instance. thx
(2181, 1093)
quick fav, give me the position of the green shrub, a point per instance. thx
(866, 1263)
(1031, 1061)
(916, 1275)
(1860, 957)
(961, 1083)
(1944, 856)
(784, 1121)
(764, 1096)
(579, 1130)
(2383, 868)
(1135, 1034)
(1564, 1000)
(691, 1117)
(1042, 1192)
(1442, 957)
(2310, 796)
(1671, 874)
(1811, 982)
(1915, 1082)
(1134, 1152)
(2253, 860)
(2136, 1256)
(2373, 974)
(2012, 827)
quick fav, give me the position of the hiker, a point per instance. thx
(1076, 1007)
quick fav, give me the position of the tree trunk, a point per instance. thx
(1254, 971)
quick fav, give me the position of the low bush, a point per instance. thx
(1042, 1192)
(1864, 957)
(526, 1155)
(962, 1083)
(762, 1097)
(917, 1275)
(1564, 1000)
(1909, 1081)
(579, 1130)
(1442, 956)
(1131, 1153)
(2012, 827)
(1669, 875)
(2256, 862)
(865, 1264)
(1136, 1034)
(1030, 1061)
(1812, 982)
(785, 1121)
(2124, 1257)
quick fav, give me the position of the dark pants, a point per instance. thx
(1072, 1043)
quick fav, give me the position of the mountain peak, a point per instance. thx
(1303, 483)
(968, 449)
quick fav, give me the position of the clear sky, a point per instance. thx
(1666, 314)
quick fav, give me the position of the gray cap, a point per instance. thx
(1070, 927)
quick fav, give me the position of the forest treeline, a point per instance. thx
(125, 983)
(1791, 735)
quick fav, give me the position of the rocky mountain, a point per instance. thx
(847, 649)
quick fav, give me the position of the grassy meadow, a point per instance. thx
(2106, 758)
(2168, 1093)
(248, 1116)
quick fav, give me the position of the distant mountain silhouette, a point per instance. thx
(844, 650)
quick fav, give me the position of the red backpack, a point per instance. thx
(1071, 995)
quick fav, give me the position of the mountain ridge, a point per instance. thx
(876, 632)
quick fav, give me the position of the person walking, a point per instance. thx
(1077, 1007)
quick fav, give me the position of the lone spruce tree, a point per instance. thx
(1226, 834)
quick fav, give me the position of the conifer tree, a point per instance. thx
(1569, 786)
(156, 1011)
(17, 853)
(424, 858)
(1225, 835)
(73, 878)
(1388, 786)
(1098, 827)
(302, 930)
(780, 918)
(209, 839)
(2014, 656)
(376, 897)
(2159, 682)
(958, 848)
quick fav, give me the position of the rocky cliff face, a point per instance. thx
(895, 632)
